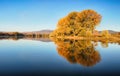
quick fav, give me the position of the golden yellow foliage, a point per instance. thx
(81, 52)
(105, 34)
(75, 22)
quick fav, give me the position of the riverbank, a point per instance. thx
(101, 39)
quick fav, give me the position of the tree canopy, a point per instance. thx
(75, 23)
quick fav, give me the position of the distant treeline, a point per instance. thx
(11, 34)
(17, 35)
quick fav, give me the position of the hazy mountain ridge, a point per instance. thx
(44, 31)
(40, 32)
(111, 31)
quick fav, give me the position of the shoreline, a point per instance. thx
(102, 39)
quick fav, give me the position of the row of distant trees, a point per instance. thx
(11, 34)
(37, 35)
(18, 35)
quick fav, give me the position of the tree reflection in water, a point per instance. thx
(78, 51)
(104, 44)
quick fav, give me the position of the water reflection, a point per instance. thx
(15, 38)
(81, 52)
(78, 51)
(104, 44)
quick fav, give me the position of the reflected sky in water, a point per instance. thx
(37, 57)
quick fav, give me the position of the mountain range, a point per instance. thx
(110, 31)
(39, 32)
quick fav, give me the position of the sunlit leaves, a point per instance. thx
(75, 22)
(105, 33)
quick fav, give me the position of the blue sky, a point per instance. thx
(35, 15)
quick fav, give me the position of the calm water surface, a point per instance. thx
(31, 57)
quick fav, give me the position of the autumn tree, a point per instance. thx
(76, 22)
(105, 34)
